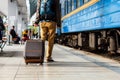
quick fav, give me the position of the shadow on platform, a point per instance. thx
(11, 54)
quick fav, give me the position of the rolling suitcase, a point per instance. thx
(34, 51)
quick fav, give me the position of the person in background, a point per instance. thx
(2, 28)
(25, 35)
(14, 35)
(35, 30)
(48, 14)
(30, 32)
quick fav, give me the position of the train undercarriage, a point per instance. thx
(107, 41)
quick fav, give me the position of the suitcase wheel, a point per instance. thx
(41, 63)
(26, 63)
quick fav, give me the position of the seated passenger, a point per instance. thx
(25, 35)
(14, 35)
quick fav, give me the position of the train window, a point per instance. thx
(85, 1)
(62, 8)
(75, 4)
(66, 6)
(69, 5)
(78, 3)
(72, 4)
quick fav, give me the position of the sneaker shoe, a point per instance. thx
(50, 60)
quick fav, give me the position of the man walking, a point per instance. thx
(48, 14)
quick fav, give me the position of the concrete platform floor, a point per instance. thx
(70, 64)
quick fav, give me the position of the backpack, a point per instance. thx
(47, 11)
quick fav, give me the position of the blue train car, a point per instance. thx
(91, 24)
(92, 15)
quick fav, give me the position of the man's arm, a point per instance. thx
(37, 12)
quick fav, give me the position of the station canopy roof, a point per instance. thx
(33, 6)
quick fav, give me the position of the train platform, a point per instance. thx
(70, 64)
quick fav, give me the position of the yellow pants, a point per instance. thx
(48, 30)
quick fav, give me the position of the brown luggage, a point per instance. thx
(34, 51)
